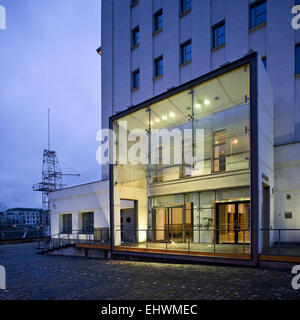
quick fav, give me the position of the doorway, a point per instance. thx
(173, 223)
(266, 218)
(233, 222)
(128, 221)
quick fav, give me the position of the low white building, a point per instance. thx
(80, 210)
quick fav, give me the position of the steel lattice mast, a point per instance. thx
(51, 178)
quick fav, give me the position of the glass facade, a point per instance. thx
(185, 161)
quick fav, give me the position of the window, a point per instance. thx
(136, 79)
(186, 51)
(67, 223)
(218, 34)
(219, 151)
(135, 36)
(158, 66)
(297, 56)
(158, 20)
(258, 13)
(185, 5)
(264, 61)
(88, 222)
(133, 2)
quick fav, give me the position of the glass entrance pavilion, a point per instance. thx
(187, 162)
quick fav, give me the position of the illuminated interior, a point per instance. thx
(178, 205)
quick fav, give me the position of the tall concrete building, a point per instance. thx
(153, 51)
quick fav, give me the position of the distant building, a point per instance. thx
(22, 216)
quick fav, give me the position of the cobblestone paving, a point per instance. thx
(32, 276)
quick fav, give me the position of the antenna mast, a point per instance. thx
(48, 129)
(51, 180)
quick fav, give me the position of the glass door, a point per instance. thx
(173, 223)
(244, 222)
(233, 222)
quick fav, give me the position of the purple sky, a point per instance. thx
(48, 59)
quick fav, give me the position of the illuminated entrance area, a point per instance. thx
(233, 222)
(206, 206)
(173, 224)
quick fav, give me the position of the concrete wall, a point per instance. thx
(276, 40)
(265, 144)
(287, 190)
(92, 197)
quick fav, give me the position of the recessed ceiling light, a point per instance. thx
(235, 141)
(206, 102)
(164, 117)
(198, 105)
(157, 120)
(172, 114)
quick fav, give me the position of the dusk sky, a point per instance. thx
(48, 59)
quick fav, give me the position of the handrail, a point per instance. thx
(281, 229)
(59, 239)
(186, 229)
(187, 237)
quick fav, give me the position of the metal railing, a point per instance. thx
(99, 236)
(188, 239)
(281, 242)
(20, 234)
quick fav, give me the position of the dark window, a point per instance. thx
(219, 151)
(158, 66)
(185, 5)
(135, 36)
(133, 2)
(218, 34)
(258, 13)
(297, 59)
(136, 79)
(67, 223)
(186, 51)
(264, 61)
(88, 222)
(158, 20)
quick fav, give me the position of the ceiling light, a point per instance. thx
(198, 105)
(157, 120)
(172, 114)
(235, 141)
(164, 117)
(206, 102)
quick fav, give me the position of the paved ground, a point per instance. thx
(32, 276)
